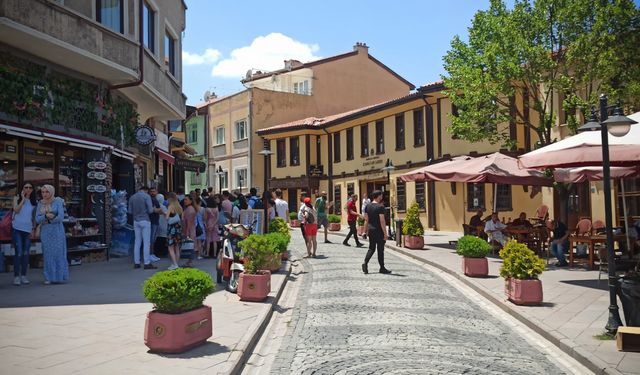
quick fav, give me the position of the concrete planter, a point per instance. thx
(256, 287)
(475, 267)
(294, 224)
(177, 333)
(334, 227)
(413, 242)
(361, 230)
(524, 292)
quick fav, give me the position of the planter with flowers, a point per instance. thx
(334, 222)
(255, 281)
(521, 268)
(179, 320)
(474, 251)
(360, 227)
(278, 225)
(412, 229)
(293, 220)
(281, 242)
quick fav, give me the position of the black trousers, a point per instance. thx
(376, 240)
(352, 231)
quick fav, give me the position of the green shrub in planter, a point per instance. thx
(473, 247)
(278, 225)
(178, 291)
(280, 240)
(412, 226)
(360, 221)
(334, 218)
(519, 262)
(258, 249)
(293, 216)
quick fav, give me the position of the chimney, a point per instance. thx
(291, 64)
(361, 47)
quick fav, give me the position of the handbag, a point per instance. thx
(199, 230)
(187, 248)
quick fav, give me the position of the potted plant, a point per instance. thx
(334, 222)
(278, 225)
(412, 229)
(281, 242)
(520, 268)
(360, 226)
(474, 251)
(179, 320)
(255, 282)
(293, 219)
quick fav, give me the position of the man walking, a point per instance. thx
(352, 216)
(282, 207)
(375, 224)
(140, 207)
(321, 209)
(154, 218)
(301, 210)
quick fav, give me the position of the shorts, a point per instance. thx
(323, 221)
(310, 229)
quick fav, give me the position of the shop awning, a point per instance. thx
(40, 135)
(166, 156)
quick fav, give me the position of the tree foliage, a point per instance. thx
(568, 50)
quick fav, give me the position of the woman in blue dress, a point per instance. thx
(49, 215)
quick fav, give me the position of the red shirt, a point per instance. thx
(351, 206)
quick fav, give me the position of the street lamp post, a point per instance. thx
(220, 173)
(618, 125)
(388, 167)
(266, 152)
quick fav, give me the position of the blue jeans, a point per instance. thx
(142, 230)
(557, 249)
(22, 244)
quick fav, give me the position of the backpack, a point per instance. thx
(258, 204)
(310, 217)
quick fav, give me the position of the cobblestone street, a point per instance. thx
(411, 321)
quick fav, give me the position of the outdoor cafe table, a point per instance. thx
(591, 241)
(526, 235)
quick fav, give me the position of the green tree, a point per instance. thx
(572, 48)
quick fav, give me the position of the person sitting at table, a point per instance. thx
(494, 229)
(521, 221)
(559, 242)
(477, 220)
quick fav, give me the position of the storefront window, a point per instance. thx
(8, 173)
(38, 164)
(71, 176)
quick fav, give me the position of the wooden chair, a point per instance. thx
(542, 214)
(598, 227)
(583, 228)
(603, 266)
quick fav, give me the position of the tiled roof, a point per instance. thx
(322, 122)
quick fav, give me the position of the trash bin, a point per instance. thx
(399, 232)
(629, 293)
(122, 240)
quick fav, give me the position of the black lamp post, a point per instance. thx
(266, 152)
(220, 173)
(618, 125)
(388, 167)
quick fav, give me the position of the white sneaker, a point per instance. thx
(173, 267)
(154, 258)
(199, 257)
(16, 281)
(24, 280)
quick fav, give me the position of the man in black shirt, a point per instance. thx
(375, 224)
(559, 243)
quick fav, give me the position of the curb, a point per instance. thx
(242, 352)
(565, 344)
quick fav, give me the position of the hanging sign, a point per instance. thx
(145, 135)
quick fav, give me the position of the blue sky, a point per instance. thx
(223, 39)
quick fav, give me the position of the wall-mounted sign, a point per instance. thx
(372, 161)
(96, 165)
(190, 165)
(162, 141)
(96, 175)
(145, 135)
(316, 170)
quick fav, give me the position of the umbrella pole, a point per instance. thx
(495, 198)
(626, 222)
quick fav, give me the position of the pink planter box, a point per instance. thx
(294, 223)
(475, 267)
(413, 242)
(176, 333)
(334, 227)
(256, 287)
(524, 292)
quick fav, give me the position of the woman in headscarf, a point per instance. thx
(49, 214)
(24, 206)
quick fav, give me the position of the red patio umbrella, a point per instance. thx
(418, 175)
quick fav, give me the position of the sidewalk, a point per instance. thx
(95, 324)
(575, 306)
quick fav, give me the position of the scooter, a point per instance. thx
(229, 263)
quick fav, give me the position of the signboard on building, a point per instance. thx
(162, 141)
(190, 165)
(145, 135)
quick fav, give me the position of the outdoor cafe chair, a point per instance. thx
(542, 214)
(598, 227)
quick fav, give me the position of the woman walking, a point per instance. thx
(49, 215)
(211, 220)
(189, 219)
(201, 230)
(310, 219)
(24, 210)
(174, 230)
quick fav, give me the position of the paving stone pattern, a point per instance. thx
(410, 322)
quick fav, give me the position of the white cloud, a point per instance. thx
(210, 56)
(265, 53)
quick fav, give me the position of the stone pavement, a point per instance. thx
(95, 324)
(412, 321)
(575, 307)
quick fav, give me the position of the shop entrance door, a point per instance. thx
(577, 201)
(380, 185)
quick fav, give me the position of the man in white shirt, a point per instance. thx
(282, 207)
(365, 202)
(494, 229)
